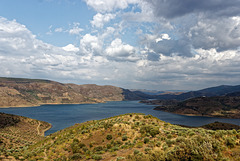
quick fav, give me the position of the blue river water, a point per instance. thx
(62, 116)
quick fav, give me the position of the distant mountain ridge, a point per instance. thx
(21, 92)
(220, 101)
(156, 92)
(217, 106)
(208, 92)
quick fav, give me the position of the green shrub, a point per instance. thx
(109, 146)
(115, 148)
(154, 131)
(98, 148)
(120, 158)
(149, 129)
(91, 145)
(76, 156)
(124, 138)
(139, 145)
(169, 136)
(169, 142)
(147, 150)
(75, 146)
(180, 139)
(137, 117)
(230, 142)
(109, 137)
(137, 123)
(107, 125)
(145, 129)
(136, 152)
(146, 140)
(97, 157)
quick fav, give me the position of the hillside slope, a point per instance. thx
(17, 92)
(17, 132)
(134, 137)
(219, 106)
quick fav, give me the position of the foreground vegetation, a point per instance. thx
(134, 137)
(18, 132)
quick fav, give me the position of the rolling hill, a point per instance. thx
(17, 132)
(132, 137)
(218, 106)
(18, 92)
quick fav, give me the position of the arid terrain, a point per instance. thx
(18, 132)
(133, 137)
(19, 92)
(218, 106)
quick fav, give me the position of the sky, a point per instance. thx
(133, 44)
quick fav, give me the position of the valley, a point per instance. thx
(101, 135)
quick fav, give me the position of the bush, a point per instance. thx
(169, 136)
(109, 137)
(146, 140)
(145, 129)
(147, 150)
(169, 142)
(98, 148)
(76, 156)
(136, 152)
(75, 146)
(154, 131)
(230, 142)
(158, 144)
(137, 117)
(109, 146)
(120, 158)
(108, 125)
(97, 157)
(124, 138)
(139, 145)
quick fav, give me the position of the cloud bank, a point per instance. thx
(135, 44)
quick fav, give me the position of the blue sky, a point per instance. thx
(42, 16)
(135, 44)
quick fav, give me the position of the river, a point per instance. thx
(62, 116)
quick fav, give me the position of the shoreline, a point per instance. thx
(23, 106)
(47, 130)
(199, 115)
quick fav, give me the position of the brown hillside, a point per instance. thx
(16, 92)
(18, 131)
(134, 137)
(219, 106)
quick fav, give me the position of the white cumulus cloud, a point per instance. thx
(91, 44)
(163, 37)
(59, 29)
(121, 52)
(70, 47)
(100, 19)
(109, 5)
(75, 30)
